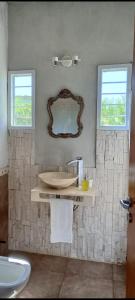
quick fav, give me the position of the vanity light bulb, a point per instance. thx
(55, 60)
(76, 59)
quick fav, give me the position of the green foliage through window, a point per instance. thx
(113, 113)
(23, 111)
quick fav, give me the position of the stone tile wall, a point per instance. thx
(99, 230)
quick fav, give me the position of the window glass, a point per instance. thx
(21, 100)
(113, 96)
(114, 75)
(114, 88)
(23, 80)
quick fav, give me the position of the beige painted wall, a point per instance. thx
(99, 33)
(3, 84)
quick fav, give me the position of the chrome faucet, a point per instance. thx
(79, 162)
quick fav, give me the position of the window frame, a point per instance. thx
(21, 72)
(128, 96)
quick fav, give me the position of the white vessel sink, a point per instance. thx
(58, 180)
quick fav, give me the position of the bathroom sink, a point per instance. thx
(58, 180)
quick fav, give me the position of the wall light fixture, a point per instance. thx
(66, 60)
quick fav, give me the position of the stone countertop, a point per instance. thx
(38, 193)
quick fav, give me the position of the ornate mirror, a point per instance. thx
(65, 111)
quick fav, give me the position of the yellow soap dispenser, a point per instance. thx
(85, 184)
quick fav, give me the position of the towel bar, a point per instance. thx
(36, 196)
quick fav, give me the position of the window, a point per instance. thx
(21, 99)
(114, 93)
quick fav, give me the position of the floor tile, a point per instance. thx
(75, 286)
(59, 277)
(119, 272)
(89, 269)
(43, 284)
(119, 289)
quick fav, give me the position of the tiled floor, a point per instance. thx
(58, 277)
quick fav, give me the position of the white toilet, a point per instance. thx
(14, 275)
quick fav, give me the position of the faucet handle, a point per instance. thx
(79, 157)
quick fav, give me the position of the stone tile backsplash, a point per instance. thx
(99, 230)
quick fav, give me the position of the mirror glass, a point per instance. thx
(65, 111)
(64, 116)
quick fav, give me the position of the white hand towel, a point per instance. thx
(61, 220)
